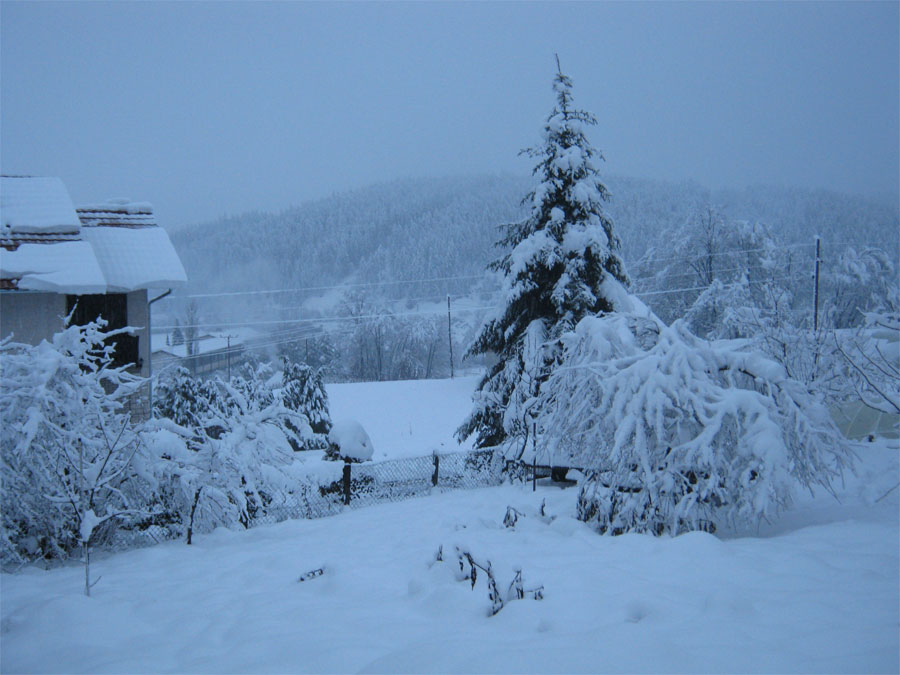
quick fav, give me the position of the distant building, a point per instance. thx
(211, 353)
(100, 260)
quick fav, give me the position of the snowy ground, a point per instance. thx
(815, 591)
(429, 411)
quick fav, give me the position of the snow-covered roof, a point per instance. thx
(46, 244)
(204, 344)
(135, 257)
(67, 266)
(31, 204)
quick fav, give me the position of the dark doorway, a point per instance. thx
(113, 308)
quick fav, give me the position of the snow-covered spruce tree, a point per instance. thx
(253, 381)
(191, 403)
(304, 392)
(677, 433)
(557, 269)
(66, 446)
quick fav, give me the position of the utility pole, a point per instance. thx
(450, 337)
(816, 293)
(816, 309)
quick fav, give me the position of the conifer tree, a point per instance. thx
(561, 264)
(177, 335)
(304, 392)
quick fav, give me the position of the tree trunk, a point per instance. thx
(86, 553)
(190, 530)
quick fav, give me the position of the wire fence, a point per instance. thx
(360, 485)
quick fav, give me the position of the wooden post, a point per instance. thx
(434, 476)
(534, 465)
(346, 482)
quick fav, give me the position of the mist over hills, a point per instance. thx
(434, 228)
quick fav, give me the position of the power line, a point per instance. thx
(303, 289)
(438, 298)
(429, 312)
(716, 255)
(703, 288)
(392, 282)
(359, 317)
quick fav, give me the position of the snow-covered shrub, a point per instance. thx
(66, 446)
(682, 433)
(304, 392)
(864, 280)
(349, 442)
(225, 456)
(872, 360)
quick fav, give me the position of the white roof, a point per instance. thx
(63, 267)
(135, 258)
(48, 245)
(36, 204)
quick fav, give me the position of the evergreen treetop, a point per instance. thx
(562, 263)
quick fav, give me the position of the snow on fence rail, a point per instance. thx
(361, 484)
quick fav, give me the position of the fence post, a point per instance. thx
(434, 476)
(346, 482)
(534, 474)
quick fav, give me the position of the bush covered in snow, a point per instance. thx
(677, 433)
(76, 472)
(225, 454)
(66, 445)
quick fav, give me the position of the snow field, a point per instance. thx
(815, 592)
(429, 412)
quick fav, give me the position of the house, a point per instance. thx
(98, 260)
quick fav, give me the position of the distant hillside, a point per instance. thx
(434, 228)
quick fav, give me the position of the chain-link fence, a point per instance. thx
(359, 485)
(389, 481)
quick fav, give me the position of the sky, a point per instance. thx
(206, 109)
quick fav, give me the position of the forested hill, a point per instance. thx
(445, 227)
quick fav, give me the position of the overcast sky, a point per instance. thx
(207, 108)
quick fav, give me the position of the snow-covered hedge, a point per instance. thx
(678, 433)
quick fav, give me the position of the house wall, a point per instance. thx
(31, 317)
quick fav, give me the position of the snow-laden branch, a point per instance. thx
(683, 432)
